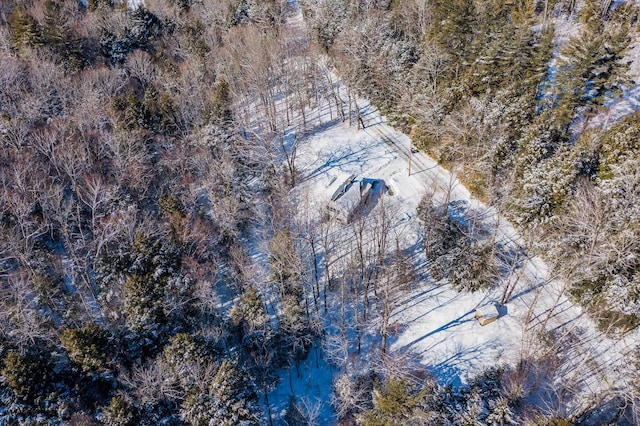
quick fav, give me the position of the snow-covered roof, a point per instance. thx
(355, 198)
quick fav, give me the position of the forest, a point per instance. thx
(163, 259)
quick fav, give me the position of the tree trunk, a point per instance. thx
(315, 287)
(265, 389)
(383, 351)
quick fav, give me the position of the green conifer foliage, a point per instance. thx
(54, 25)
(545, 187)
(121, 411)
(453, 25)
(285, 263)
(295, 327)
(620, 144)
(88, 346)
(392, 404)
(29, 376)
(25, 30)
(476, 266)
(151, 110)
(592, 68)
(227, 401)
(249, 313)
(100, 4)
(147, 272)
(183, 354)
(57, 36)
(221, 103)
(143, 303)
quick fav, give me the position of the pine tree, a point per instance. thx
(501, 46)
(249, 313)
(144, 303)
(184, 354)
(57, 36)
(121, 411)
(545, 186)
(476, 266)
(593, 68)
(453, 28)
(295, 328)
(221, 103)
(620, 144)
(54, 26)
(392, 404)
(148, 271)
(88, 346)
(30, 376)
(501, 414)
(327, 19)
(472, 413)
(25, 30)
(441, 234)
(285, 263)
(228, 401)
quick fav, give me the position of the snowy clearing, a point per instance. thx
(434, 323)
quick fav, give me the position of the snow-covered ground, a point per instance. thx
(435, 324)
(567, 27)
(629, 102)
(133, 4)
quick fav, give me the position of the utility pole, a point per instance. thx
(410, 154)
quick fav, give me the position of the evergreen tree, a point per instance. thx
(393, 404)
(476, 266)
(545, 187)
(25, 30)
(294, 326)
(619, 145)
(592, 69)
(249, 313)
(501, 414)
(221, 104)
(54, 27)
(57, 36)
(30, 376)
(453, 27)
(121, 411)
(184, 355)
(228, 400)
(88, 346)
(144, 304)
(441, 234)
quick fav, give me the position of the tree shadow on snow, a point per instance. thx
(419, 298)
(448, 371)
(415, 255)
(453, 323)
(339, 159)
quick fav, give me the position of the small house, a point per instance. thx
(353, 199)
